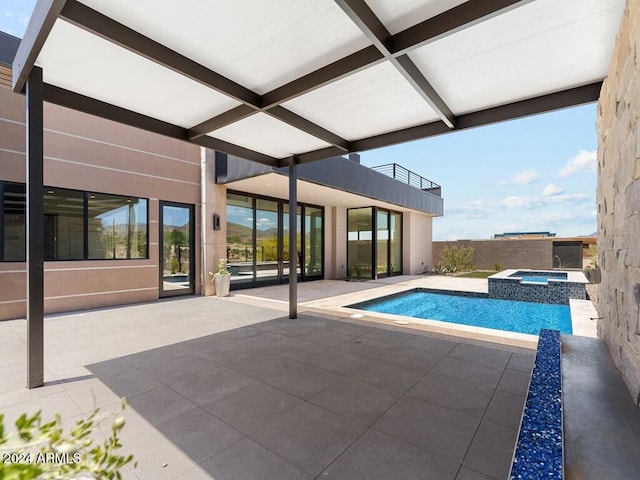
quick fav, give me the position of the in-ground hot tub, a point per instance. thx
(541, 286)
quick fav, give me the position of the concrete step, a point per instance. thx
(601, 420)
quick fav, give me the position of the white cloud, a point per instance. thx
(550, 196)
(521, 202)
(551, 190)
(567, 198)
(584, 161)
(473, 209)
(265, 222)
(523, 178)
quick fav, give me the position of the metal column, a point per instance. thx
(35, 230)
(293, 238)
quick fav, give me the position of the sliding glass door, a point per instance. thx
(313, 242)
(374, 243)
(258, 240)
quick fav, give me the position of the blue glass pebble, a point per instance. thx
(539, 451)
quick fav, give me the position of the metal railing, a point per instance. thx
(404, 175)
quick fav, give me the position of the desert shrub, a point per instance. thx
(457, 259)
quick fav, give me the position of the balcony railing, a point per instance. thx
(404, 175)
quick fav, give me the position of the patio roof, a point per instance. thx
(288, 81)
(269, 81)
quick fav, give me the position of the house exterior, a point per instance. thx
(131, 216)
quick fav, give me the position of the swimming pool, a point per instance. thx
(479, 311)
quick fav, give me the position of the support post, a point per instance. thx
(293, 238)
(35, 229)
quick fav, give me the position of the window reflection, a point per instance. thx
(63, 224)
(117, 226)
(14, 222)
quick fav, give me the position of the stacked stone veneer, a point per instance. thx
(554, 292)
(619, 201)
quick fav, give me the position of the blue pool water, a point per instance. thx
(542, 280)
(539, 276)
(523, 317)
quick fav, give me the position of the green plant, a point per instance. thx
(594, 256)
(497, 267)
(457, 259)
(44, 451)
(349, 273)
(358, 272)
(439, 269)
(222, 267)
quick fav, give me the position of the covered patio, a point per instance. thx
(234, 390)
(287, 82)
(237, 390)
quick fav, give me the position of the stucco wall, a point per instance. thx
(417, 244)
(83, 152)
(335, 254)
(619, 201)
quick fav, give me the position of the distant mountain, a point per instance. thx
(240, 233)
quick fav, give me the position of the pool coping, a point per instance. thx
(573, 276)
(583, 313)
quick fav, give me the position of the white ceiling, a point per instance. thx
(265, 48)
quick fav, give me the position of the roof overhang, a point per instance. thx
(332, 182)
(281, 80)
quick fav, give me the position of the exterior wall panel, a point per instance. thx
(90, 154)
(417, 231)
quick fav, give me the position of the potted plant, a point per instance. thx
(222, 279)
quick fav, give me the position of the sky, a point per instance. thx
(533, 174)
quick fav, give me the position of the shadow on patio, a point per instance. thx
(319, 397)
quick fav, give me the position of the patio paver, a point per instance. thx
(239, 391)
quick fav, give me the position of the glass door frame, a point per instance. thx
(192, 257)
(374, 241)
(283, 226)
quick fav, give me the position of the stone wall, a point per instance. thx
(619, 201)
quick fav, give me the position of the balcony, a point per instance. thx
(401, 174)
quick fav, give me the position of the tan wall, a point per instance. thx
(87, 153)
(337, 259)
(618, 197)
(417, 244)
(214, 197)
(509, 253)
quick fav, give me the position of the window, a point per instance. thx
(117, 226)
(374, 237)
(12, 222)
(77, 225)
(63, 224)
(359, 242)
(258, 240)
(240, 237)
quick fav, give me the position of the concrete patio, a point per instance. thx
(230, 389)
